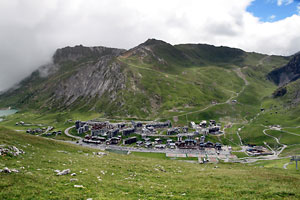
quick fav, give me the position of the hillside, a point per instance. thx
(288, 73)
(159, 81)
(154, 79)
(135, 176)
(287, 79)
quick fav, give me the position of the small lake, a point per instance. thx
(6, 113)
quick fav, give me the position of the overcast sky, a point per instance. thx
(31, 30)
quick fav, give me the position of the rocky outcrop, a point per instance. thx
(10, 151)
(280, 92)
(287, 73)
(92, 80)
(63, 172)
(156, 50)
(80, 52)
(9, 171)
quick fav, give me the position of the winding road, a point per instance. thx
(277, 153)
(72, 136)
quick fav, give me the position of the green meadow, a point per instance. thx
(134, 176)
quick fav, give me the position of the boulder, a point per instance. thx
(78, 186)
(10, 150)
(63, 172)
(9, 171)
(15, 170)
(6, 170)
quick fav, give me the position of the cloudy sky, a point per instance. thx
(31, 30)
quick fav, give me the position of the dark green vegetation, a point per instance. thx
(137, 176)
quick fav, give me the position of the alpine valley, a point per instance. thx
(158, 121)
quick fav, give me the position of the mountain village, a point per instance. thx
(185, 141)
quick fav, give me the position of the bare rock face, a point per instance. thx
(287, 73)
(99, 74)
(93, 80)
(79, 52)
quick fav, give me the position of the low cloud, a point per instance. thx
(272, 17)
(284, 2)
(31, 30)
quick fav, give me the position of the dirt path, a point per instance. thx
(261, 61)
(295, 134)
(242, 75)
(238, 134)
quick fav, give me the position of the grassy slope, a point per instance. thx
(132, 176)
(57, 120)
(191, 76)
(186, 89)
(255, 96)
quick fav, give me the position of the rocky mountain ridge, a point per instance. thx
(153, 78)
(79, 52)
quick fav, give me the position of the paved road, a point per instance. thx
(72, 136)
(150, 150)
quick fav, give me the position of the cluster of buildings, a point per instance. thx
(177, 130)
(253, 150)
(159, 124)
(81, 127)
(206, 128)
(36, 131)
(145, 134)
(54, 133)
(102, 140)
(151, 128)
(45, 131)
(110, 133)
(197, 143)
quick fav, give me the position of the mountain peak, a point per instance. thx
(79, 51)
(152, 41)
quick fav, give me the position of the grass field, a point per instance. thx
(134, 176)
(240, 154)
